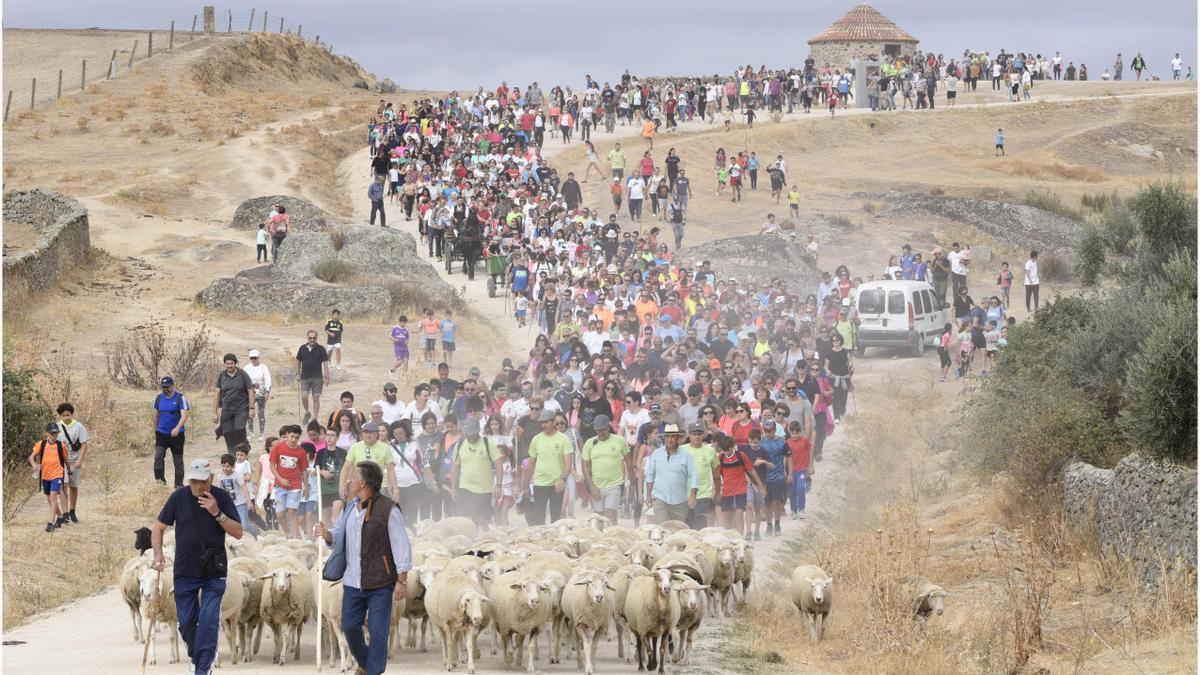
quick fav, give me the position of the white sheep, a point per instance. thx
(237, 591)
(598, 522)
(652, 611)
(692, 599)
(923, 597)
(331, 614)
(246, 547)
(519, 610)
(652, 533)
(248, 639)
(744, 570)
(131, 593)
(158, 605)
(812, 595)
(670, 527)
(645, 553)
(587, 604)
(457, 607)
(286, 604)
(621, 579)
(552, 569)
(722, 558)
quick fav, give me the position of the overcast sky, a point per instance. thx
(484, 41)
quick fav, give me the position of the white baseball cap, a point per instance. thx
(254, 354)
(200, 469)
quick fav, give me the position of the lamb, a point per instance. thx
(519, 611)
(457, 607)
(587, 604)
(141, 540)
(652, 611)
(924, 597)
(692, 598)
(158, 605)
(286, 604)
(744, 571)
(812, 595)
(236, 592)
(621, 581)
(131, 592)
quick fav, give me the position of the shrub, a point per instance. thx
(839, 221)
(1089, 254)
(1099, 202)
(333, 271)
(337, 238)
(1161, 387)
(25, 414)
(1052, 268)
(1118, 228)
(1166, 217)
(142, 358)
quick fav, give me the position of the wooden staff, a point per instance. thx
(320, 572)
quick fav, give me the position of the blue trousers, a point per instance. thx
(799, 487)
(198, 605)
(376, 606)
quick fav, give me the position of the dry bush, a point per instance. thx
(1052, 171)
(160, 128)
(839, 221)
(869, 207)
(1050, 201)
(337, 239)
(937, 191)
(153, 197)
(142, 358)
(1053, 268)
(81, 123)
(333, 271)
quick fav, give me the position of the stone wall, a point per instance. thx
(840, 54)
(63, 243)
(1142, 509)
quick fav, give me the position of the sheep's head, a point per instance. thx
(739, 551)
(148, 585)
(529, 591)
(725, 556)
(690, 591)
(472, 605)
(554, 583)
(933, 600)
(426, 573)
(662, 578)
(819, 589)
(281, 579)
(597, 522)
(597, 586)
(655, 534)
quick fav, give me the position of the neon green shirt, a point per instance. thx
(475, 463)
(606, 458)
(705, 459)
(551, 454)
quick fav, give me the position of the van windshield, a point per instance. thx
(870, 301)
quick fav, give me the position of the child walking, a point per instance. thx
(260, 245)
(1005, 281)
(49, 460)
(399, 345)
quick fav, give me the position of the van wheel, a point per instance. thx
(859, 350)
(919, 349)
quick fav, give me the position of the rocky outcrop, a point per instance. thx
(1019, 226)
(1142, 509)
(760, 258)
(63, 243)
(303, 215)
(359, 269)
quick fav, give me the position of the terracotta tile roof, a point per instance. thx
(864, 23)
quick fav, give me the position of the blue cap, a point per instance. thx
(166, 381)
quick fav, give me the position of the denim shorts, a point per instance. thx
(308, 507)
(287, 500)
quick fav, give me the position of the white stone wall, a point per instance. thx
(839, 54)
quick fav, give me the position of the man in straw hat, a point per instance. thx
(671, 479)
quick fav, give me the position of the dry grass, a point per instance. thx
(1053, 170)
(322, 145)
(153, 197)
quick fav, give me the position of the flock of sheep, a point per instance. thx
(570, 582)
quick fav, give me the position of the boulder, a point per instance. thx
(760, 258)
(1016, 225)
(304, 215)
(373, 271)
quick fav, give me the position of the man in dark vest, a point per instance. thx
(371, 556)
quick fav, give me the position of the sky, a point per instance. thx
(480, 42)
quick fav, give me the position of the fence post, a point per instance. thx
(193, 34)
(83, 76)
(33, 93)
(59, 84)
(318, 40)
(281, 24)
(132, 53)
(171, 40)
(300, 30)
(112, 64)
(264, 21)
(250, 26)
(210, 19)
(150, 46)
(230, 29)
(8, 105)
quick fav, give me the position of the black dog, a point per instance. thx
(141, 540)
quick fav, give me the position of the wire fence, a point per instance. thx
(111, 54)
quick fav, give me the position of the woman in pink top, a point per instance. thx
(647, 165)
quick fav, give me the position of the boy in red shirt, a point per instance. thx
(288, 464)
(736, 468)
(799, 481)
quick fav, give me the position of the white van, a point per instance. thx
(899, 313)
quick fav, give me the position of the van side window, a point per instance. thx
(896, 302)
(930, 301)
(928, 306)
(870, 301)
(919, 306)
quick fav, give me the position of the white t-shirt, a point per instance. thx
(1031, 277)
(636, 188)
(392, 411)
(956, 264)
(405, 476)
(234, 484)
(631, 422)
(1176, 63)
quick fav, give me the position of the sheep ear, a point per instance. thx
(543, 587)
(580, 583)
(704, 587)
(268, 575)
(515, 587)
(609, 587)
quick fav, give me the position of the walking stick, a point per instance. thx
(320, 575)
(150, 631)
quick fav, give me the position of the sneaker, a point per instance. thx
(71, 518)
(307, 417)
(59, 522)
(49, 527)
(802, 516)
(339, 366)
(795, 515)
(757, 537)
(262, 437)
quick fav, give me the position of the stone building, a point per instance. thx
(862, 34)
